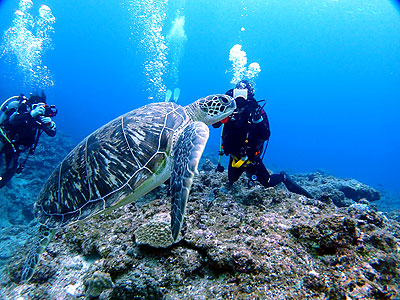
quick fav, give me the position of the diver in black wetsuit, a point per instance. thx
(21, 123)
(243, 138)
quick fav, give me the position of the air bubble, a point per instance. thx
(239, 61)
(25, 42)
(148, 18)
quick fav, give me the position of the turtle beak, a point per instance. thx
(233, 105)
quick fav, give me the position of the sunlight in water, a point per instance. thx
(25, 42)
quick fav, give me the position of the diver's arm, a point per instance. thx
(260, 124)
(258, 134)
(265, 123)
(50, 133)
(47, 125)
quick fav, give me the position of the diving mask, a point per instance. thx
(240, 93)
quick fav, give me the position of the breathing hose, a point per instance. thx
(220, 168)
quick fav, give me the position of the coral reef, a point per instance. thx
(155, 234)
(237, 243)
(97, 284)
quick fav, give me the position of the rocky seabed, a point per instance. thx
(237, 243)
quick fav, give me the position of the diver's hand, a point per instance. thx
(38, 111)
(48, 122)
(257, 116)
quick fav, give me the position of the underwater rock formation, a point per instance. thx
(238, 243)
(342, 192)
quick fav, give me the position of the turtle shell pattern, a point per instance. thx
(110, 164)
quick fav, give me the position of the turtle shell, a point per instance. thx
(111, 164)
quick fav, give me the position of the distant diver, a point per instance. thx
(168, 95)
(243, 137)
(21, 123)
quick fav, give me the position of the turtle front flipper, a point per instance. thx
(41, 240)
(186, 156)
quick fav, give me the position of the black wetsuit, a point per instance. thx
(22, 132)
(244, 138)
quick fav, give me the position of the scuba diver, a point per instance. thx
(168, 95)
(21, 123)
(243, 137)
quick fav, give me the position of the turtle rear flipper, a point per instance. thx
(186, 156)
(41, 240)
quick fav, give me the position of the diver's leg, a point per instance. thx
(233, 173)
(3, 168)
(265, 178)
(11, 162)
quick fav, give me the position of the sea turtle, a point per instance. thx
(122, 161)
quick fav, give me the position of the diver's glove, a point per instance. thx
(37, 111)
(257, 116)
(48, 122)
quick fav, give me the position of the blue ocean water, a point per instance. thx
(330, 71)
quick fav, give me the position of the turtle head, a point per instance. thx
(212, 108)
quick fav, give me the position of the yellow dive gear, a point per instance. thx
(238, 162)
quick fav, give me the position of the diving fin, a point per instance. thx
(293, 186)
(168, 95)
(177, 92)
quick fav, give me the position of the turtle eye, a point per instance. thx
(224, 100)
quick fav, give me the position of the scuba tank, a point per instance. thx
(13, 97)
(4, 108)
(4, 116)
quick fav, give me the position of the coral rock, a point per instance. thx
(156, 234)
(98, 283)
